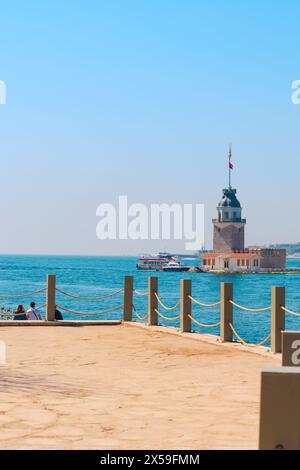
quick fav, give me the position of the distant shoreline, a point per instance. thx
(76, 255)
(69, 255)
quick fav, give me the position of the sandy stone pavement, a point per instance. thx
(124, 387)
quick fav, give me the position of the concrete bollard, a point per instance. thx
(291, 348)
(277, 317)
(152, 301)
(226, 311)
(128, 298)
(185, 305)
(50, 298)
(280, 409)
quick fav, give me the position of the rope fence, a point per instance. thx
(89, 298)
(241, 340)
(247, 309)
(140, 317)
(138, 293)
(290, 312)
(141, 294)
(227, 308)
(21, 296)
(164, 306)
(203, 325)
(202, 304)
(88, 314)
(165, 317)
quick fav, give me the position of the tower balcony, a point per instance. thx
(235, 220)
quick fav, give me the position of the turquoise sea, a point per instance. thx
(96, 276)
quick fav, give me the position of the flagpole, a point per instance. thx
(229, 166)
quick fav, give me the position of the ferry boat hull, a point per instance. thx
(179, 269)
(140, 267)
(153, 263)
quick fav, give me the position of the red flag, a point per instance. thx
(230, 166)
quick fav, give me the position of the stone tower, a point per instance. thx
(229, 227)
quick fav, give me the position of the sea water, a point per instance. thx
(88, 276)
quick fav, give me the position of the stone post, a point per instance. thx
(128, 298)
(152, 301)
(226, 311)
(277, 318)
(50, 297)
(185, 305)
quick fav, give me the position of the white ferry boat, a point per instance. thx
(174, 266)
(152, 263)
(160, 262)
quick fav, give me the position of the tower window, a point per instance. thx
(226, 215)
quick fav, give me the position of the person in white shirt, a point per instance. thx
(33, 313)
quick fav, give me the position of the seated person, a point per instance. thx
(58, 315)
(33, 313)
(20, 313)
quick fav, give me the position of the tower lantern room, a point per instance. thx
(229, 208)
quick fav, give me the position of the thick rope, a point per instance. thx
(290, 312)
(88, 298)
(244, 342)
(202, 304)
(19, 314)
(141, 294)
(41, 306)
(203, 325)
(12, 314)
(167, 318)
(138, 315)
(164, 306)
(254, 310)
(23, 295)
(91, 313)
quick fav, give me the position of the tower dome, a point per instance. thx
(229, 199)
(229, 208)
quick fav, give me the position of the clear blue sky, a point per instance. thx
(142, 98)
